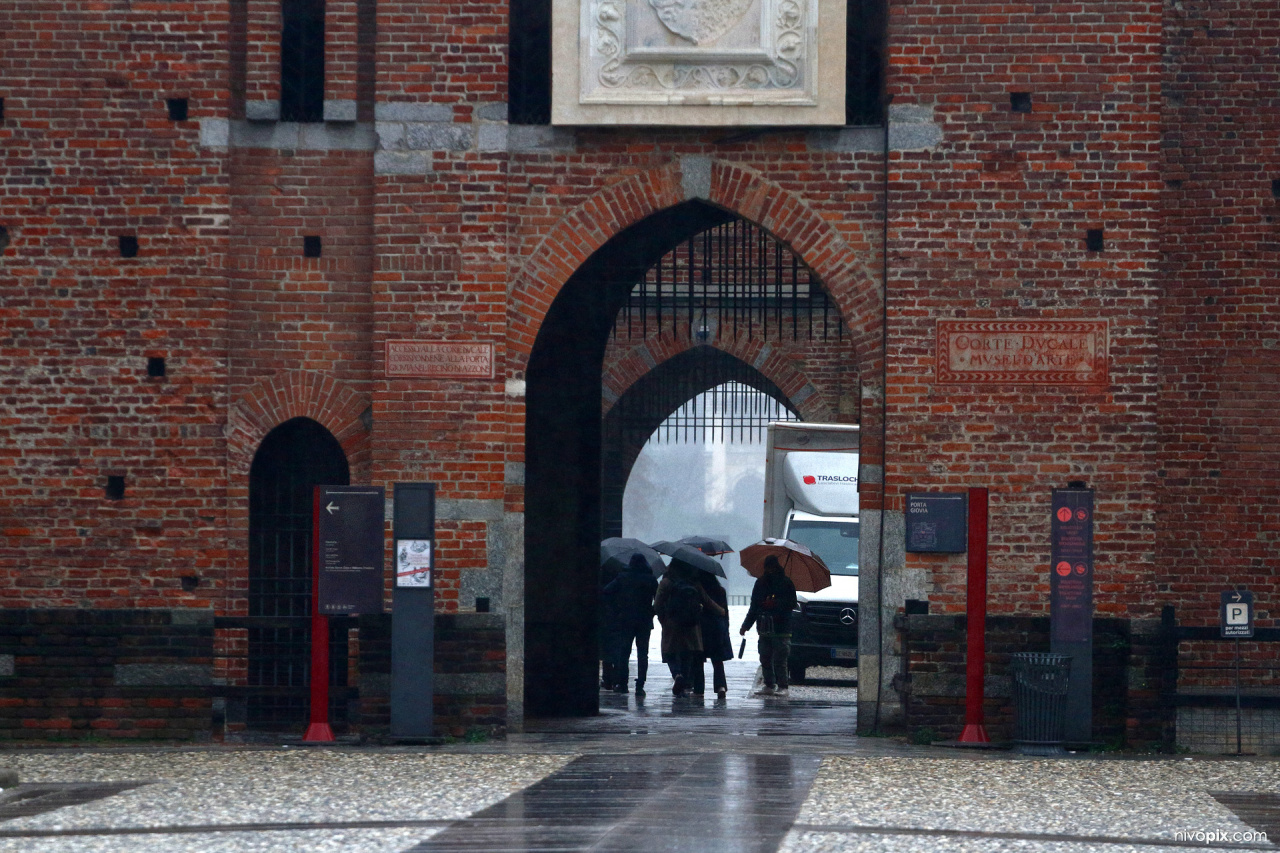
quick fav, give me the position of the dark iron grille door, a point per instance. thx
(302, 60)
(293, 458)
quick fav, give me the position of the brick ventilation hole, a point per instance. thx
(1, 109)
(1093, 239)
(115, 487)
(177, 109)
(128, 246)
(311, 247)
(189, 583)
(4, 238)
(1275, 187)
(482, 605)
(155, 365)
(1020, 102)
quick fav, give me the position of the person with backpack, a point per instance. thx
(772, 599)
(629, 613)
(679, 603)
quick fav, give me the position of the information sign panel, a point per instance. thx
(1236, 615)
(1071, 566)
(350, 545)
(937, 522)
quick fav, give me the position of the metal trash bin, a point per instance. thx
(1040, 699)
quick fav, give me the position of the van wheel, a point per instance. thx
(796, 671)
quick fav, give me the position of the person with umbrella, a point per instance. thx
(629, 612)
(772, 599)
(679, 603)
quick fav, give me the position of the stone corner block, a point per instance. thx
(344, 110)
(262, 110)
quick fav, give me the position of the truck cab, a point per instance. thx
(825, 631)
(811, 497)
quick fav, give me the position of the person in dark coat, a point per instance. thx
(629, 610)
(716, 645)
(772, 600)
(608, 677)
(681, 644)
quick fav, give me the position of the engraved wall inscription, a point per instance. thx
(698, 62)
(1022, 352)
(439, 360)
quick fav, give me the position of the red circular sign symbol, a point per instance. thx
(1064, 514)
(1063, 568)
(810, 480)
(1082, 514)
(1081, 568)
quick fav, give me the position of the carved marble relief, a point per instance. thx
(698, 62)
(713, 51)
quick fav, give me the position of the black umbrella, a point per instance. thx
(690, 556)
(616, 553)
(707, 545)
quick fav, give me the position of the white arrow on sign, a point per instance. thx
(332, 507)
(1237, 596)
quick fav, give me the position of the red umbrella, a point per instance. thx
(805, 568)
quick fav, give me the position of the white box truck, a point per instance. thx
(811, 497)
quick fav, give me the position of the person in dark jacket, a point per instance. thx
(772, 600)
(681, 644)
(716, 645)
(629, 611)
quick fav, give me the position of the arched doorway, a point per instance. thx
(721, 272)
(650, 401)
(292, 459)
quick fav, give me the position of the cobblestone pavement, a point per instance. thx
(750, 773)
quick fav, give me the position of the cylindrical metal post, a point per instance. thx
(976, 606)
(318, 730)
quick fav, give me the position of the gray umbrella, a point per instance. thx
(616, 553)
(690, 556)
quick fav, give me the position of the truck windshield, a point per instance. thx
(836, 542)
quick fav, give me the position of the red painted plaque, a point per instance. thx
(439, 360)
(1022, 352)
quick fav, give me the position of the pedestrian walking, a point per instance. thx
(679, 605)
(772, 599)
(716, 644)
(629, 610)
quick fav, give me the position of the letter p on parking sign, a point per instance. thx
(1236, 615)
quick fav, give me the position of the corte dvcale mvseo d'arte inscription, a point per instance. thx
(1022, 352)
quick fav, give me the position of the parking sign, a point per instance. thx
(1236, 616)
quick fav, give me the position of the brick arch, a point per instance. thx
(294, 394)
(764, 357)
(839, 260)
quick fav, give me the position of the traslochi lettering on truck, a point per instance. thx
(823, 483)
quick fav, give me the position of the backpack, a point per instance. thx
(684, 604)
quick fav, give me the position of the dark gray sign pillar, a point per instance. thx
(1071, 603)
(413, 610)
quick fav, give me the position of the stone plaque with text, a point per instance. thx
(439, 360)
(1022, 352)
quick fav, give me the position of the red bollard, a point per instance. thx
(976, 604)
(318, 731)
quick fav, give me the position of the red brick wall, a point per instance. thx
(987, 223)
(992, 225)
(1219, 380)
(89, 154)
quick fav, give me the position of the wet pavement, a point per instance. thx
(654, 773)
